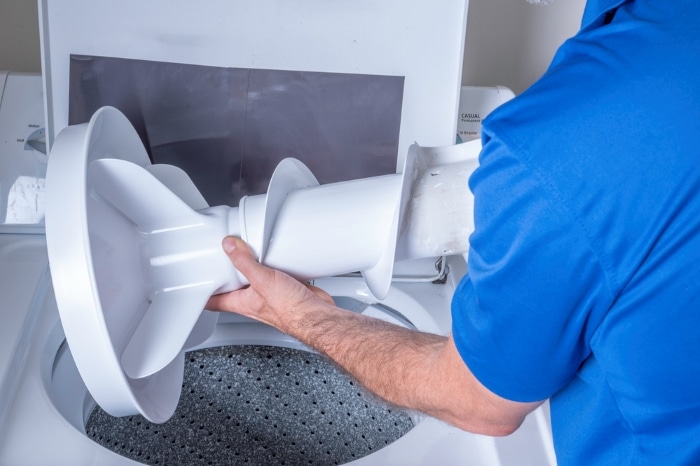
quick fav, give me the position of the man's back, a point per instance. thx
(584, 280)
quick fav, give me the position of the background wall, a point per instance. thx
(19, 36)
(509, 42)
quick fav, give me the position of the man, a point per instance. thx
(584, 268)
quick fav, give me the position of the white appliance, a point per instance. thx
(22, 149)
(45, 407)
(475, 104)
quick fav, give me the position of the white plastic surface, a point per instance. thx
(23, 288)
(135, 252)
(475, 104)
(290, 175)
(438, 209)
(101, 285)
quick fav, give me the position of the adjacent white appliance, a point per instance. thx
(22, 149)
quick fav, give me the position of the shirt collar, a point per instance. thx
(596, 9)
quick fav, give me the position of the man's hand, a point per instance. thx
(273, 297)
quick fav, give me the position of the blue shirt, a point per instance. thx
(584, 268)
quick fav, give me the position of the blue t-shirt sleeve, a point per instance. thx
(535, 291)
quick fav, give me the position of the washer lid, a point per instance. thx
(101, 283)
(424, 44)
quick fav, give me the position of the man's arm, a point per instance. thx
(412, 369)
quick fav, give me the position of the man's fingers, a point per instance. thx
(219, 302)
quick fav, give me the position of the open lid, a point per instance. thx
(422, 44)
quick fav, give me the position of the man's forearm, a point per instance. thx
(391, 361)
(408, 368)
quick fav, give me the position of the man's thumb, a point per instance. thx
(242, 257)
(229, 244)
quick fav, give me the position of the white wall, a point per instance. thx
(19, 36)
(509, 42)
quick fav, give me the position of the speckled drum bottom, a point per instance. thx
(258, 405)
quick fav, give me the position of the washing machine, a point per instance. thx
(247, 394)
(49, 417)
